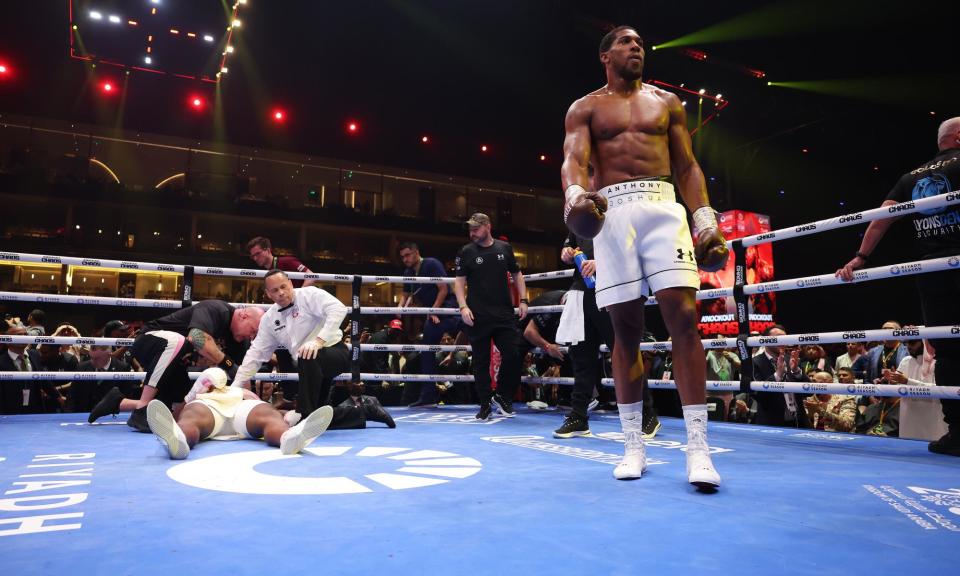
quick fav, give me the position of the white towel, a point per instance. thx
(570, 330)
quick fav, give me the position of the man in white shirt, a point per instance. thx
(306, 321)
(854, 351)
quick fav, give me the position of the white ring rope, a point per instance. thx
(887, 390)
(926, 333)
(892, 211)
(863, 275)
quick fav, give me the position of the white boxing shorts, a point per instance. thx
(645, 243)
(229, 427)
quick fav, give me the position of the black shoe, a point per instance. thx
(651, 425)
(373, 410)
(505, 408)
(573, 426)
(484, 413)
(138, 420)
(422, 404)
(949, 445)
(109, 404)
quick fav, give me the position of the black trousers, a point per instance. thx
(316, 376)
(941, 307)
(507, 339)
(585, 355)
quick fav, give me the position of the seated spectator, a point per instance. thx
(80, 352)
(779, 364)
(35, 323)
(920, 418)
(854, 351)
(52, 360)
(846, 376)
(84, 394)
(25, 396)
(882, 418)
(722, 364)
(830, 412)
(889, 354)
(814, 359)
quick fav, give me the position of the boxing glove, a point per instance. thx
(583, 211)
(711, 250)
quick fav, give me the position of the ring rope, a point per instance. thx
(887, 390)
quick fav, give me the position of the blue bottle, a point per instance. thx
(579, 258)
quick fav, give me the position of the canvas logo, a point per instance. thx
(369, 469)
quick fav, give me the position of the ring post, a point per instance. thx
(742, 314)
(355, 329)
(186, 291)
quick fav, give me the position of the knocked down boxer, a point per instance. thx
(215, 410)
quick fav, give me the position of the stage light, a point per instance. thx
(719, 96)
(196, 102)
(425, 139)
(208, 38)
(543, 157)
(224, 70)
(229, 49)
(279, 115)
(353, 127)
(237, 23)
(3, 69)
(148, 60)
(484, 148)
(107, 87)
(114, 19)
(96, 15)
(702, 91)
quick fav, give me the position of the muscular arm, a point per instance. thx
(460, 289)
(576, 146)
(205, 345)
(686, 172)
(876, 230)
(520, 283)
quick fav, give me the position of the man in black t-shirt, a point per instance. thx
(488, 313)
(166, 340)
(937, 235)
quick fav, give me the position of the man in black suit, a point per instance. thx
(22, 396)
(53, 360)
(84, 394)
(778, 364)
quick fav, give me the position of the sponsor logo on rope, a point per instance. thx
(851, 218)
(901, 207)
(955, 330)
(907, 332)
(341, 277)
(8, 256)
(815, 387)
(862, 389)
(767, 236)
(953, 262)
(344, 471)
(773, 386)
(90, 262)
(51, 259)
(130, 265)
(808, 282)
(853, 335)
(214, 271)
(805, 228)
(247, 273)
(165, 268)
(810, 338)
(769, 340)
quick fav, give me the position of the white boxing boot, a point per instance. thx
(700, 470)
(634, 462)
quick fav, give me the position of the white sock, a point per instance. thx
(695, 417)
(631, 415)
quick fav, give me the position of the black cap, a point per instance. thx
(115, 325)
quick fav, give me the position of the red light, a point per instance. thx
(353, 127)
(3, 69)
(425, 139)
(196, 102)
(107, 87)
(279, 115)
(483, 148)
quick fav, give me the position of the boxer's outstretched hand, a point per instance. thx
(711, 250)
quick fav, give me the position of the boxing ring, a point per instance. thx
(445, 492)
